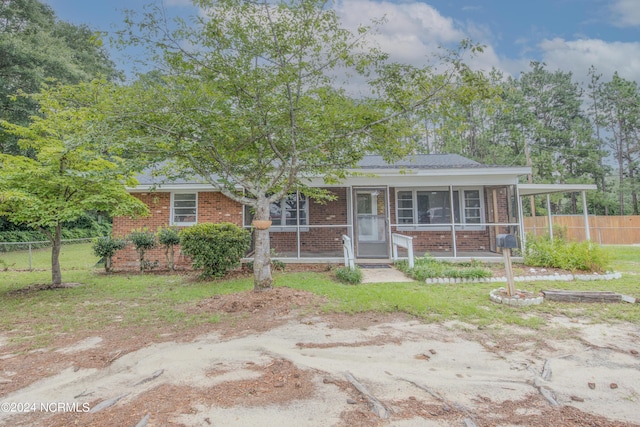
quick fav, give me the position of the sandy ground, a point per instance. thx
(297, 372)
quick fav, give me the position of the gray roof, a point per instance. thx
(421, 161)
(154, 175)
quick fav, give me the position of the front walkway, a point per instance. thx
(383, 275)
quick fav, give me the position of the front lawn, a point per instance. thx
(36, 317)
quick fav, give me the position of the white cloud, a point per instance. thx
(626, 13)
(578, 55)
(412, 31)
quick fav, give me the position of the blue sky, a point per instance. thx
(567, 34)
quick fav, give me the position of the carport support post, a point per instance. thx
(549, 217)
(523, 236)
(586, 216)
(506, 254)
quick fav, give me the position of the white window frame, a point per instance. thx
(183, 223)
(302, 214)
(443, 227)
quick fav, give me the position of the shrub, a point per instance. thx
(429, 268)
(143, 240)
(215, 248)
(349, 276)
(169, 238)
(106, 247)
(583, 256)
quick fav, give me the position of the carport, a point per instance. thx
(526, 190)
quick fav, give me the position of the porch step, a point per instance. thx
(374, 265)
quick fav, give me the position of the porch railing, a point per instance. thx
(406, 242)
(347, 244)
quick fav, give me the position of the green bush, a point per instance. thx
(349, 276)
(559, 253)
(429, 268)
(169, 238)
(106, 247)
(215, 248)
(143, 240)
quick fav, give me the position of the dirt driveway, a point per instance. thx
(269, 364)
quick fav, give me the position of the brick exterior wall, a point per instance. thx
(466, 240)
(212, 207)
(314, 242)
(320, 241)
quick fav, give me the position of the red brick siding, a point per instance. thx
(326, 241)
(212, 207)
(322, 240)
(466, 240)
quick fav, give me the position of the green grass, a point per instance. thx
(33, 318)
(625, 258)
(72, 257)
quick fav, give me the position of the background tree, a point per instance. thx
(36, 46)
(621, 118)
(251, 97)
(69, 174)
(595, 106)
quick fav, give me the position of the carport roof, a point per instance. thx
(535, 189)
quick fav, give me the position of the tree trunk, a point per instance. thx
(620, 180)
(262, 280)
(168, 253)
(56, 244)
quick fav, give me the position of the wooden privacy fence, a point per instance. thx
(606, 230)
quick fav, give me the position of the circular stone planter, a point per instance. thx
(520, 299)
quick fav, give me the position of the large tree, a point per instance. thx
(69, 174)
(35, 46)
(252, 96)
(620, 116)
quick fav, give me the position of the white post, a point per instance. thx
(394, 247)
(410, 254)
(549, 217)
(453, 222)
(586, 215)
(348, 252)
(523, 237)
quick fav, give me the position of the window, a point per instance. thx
(434, 207)
(428, 207)
(184, 208)
(405, 207)
(290, 211)
(472, 207)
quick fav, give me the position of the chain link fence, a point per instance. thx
(75, 253)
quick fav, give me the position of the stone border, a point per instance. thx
(514, 300)
(555, 277)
